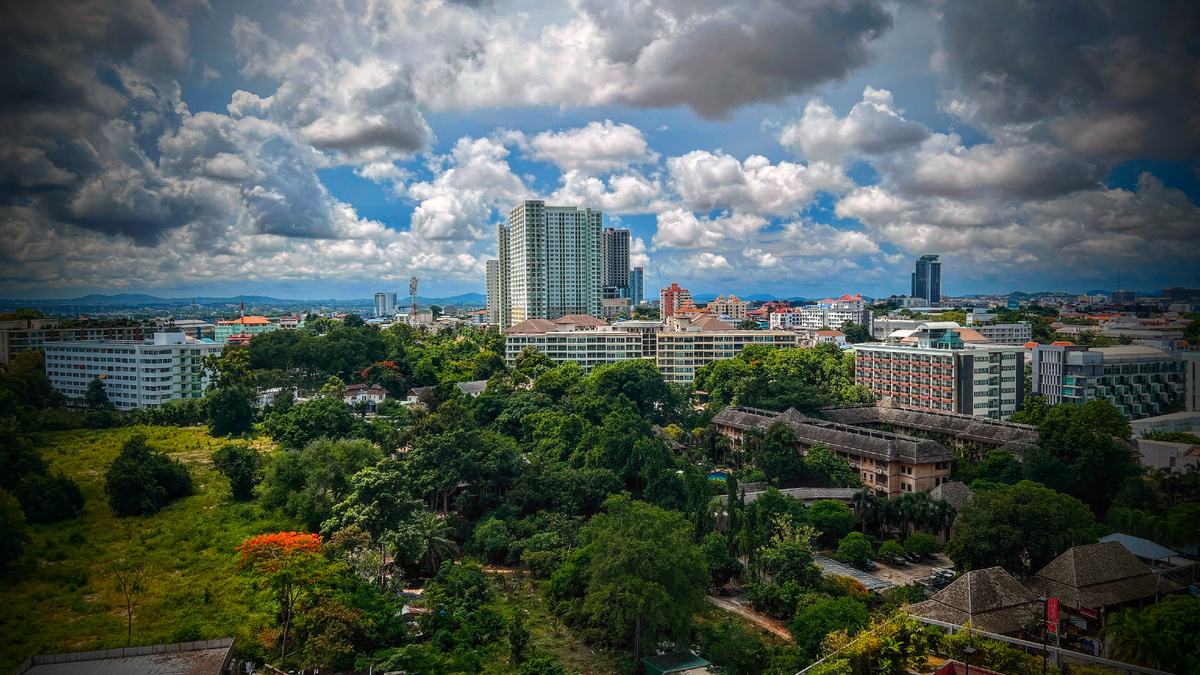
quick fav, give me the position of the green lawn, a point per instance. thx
(63, 596)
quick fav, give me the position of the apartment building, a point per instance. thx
(680, 353)
(1140, 381)
(550, 262)
(493, 292)
(732, 307)
(927, 280)
(891, 464)
(385, 303)
(614, 261)
(649, 331)
(1005, 333)
(986, 381)
(671, 299)
(580, 338)
(637, 285)
(22, 335)
(136, 373)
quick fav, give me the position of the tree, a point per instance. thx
(1077, 453)
(825, 616)
(921, 544)
(308, 483)
(856, 333)
(96, 396)
(133, 585)
(643, 575)
(832, 518)
(12, 529)
(721, 565)
(748, 324)
(141, 480)
(822, 465)
(532, 363)
(775, 453)
(891, 549)
(230, 410)
(288, 563)
(353, 321)
(302, 424)
(1021, 528)
(732, 648)
(1164, 636)
(242, 465)
(854, 548)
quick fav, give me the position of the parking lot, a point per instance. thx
(902, 575)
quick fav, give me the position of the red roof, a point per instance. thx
(1030, 345)
(1060, 343)
(247, 320)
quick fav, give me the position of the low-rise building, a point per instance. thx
(1140, 381)
(372, 395)
(1005, 333)
(732, 307)
(681, 352)
(957, 430)
(23, 335)
(889, 463)
(989, 600)
(1098, 577)
(136, 373)
(986, 381)
(246, 325)
(649, 331)
(581, 338)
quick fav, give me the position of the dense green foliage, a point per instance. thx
(242, 465)
(142, 480)
(805, 379)
(12, 529)
(1020, 528)
(1164, 636)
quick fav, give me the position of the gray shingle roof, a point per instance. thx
(847, 438)
(955, 492)
(1011, 436)
(990, 599)
(1098, 575)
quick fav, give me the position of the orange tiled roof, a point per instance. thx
(247, 321)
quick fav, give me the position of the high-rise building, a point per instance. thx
(549, 262)
(672, 298)
(927, 279)
(493, 292)
(385, 303)
(637, 278)
(614, 256)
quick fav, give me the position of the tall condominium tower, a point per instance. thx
(614, 257)
(549, 262)
(927, 279)
(385, 303)
(671, 299)
(637, 280)
(493, 291)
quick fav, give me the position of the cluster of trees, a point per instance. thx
(43, 497)
(142, 480)
(778, 379)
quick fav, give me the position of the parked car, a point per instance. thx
(869, 565)
(913, 557)
(896, 560)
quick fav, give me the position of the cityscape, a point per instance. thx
(513, 338)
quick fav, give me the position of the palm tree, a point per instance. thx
(944, 514)
(435, 541)
(889, 514)
(1137, 640)
(866, 505)
(752, 440)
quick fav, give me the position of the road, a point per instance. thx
(732, 605)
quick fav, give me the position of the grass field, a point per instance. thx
(63, 596)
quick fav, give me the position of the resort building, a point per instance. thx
(682, 351)
(1140, 381)
(577, 337)
(246, 325)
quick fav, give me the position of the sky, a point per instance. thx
(316, 149)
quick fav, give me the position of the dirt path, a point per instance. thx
(730, 605)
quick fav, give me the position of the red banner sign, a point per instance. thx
(1052, 615)
(1089, 613)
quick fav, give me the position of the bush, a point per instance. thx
(491, 540)
(141, 481)
(49, 499)
(825, 616)
(892, 549)
(922, 544)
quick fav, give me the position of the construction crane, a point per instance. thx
(412, 290)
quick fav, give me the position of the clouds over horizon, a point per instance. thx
(112, 180)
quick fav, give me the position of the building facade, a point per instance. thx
(732, 307)
(815, 317)
(927, 279)
(136, 373)
(572, 338)
(385, 303)
(493, 292)
(680, 353)
(637, 285)
(614, 260)
(671, 299)
(246, 325)
(986, 381)
(550, 262)
(1006, 333)
(1140, 381)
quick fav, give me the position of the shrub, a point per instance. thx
(891, 548)
(242, 465)
(921, 544)
(49, 499)
(854, 548)
(12, 529)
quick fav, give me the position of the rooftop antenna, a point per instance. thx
(242, 310)
(412, 290)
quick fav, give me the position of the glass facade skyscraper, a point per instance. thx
(927, 279)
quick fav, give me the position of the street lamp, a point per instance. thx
(967, 658)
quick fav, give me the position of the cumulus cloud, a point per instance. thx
(471, 181)
(874, 126)
(706, 181)
(626, 193)
(598, 148)
(708, 261)
(679, 228)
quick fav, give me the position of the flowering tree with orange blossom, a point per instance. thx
(288, 563)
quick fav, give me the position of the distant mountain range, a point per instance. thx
(142, 300)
